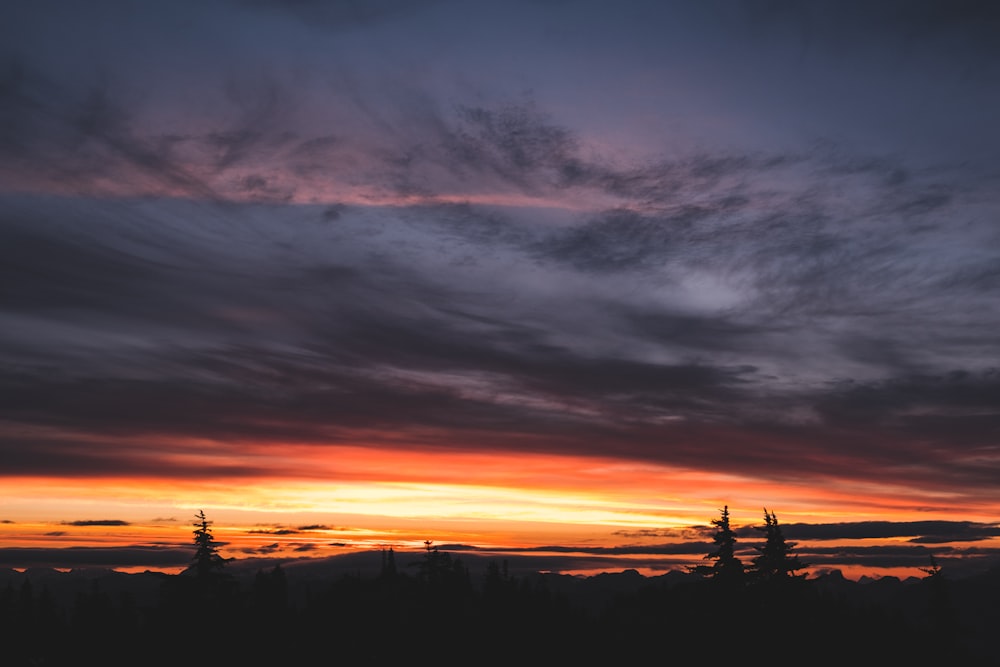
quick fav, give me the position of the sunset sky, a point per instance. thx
(542, 277)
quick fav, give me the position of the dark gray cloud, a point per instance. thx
(96, 557)
(518, 144)
(274, 531)
(80, 138)
(98, 522)
(916, 531)
(127, 320)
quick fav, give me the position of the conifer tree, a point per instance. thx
(727, 567)
(388, 570)
(207, 561)
(774, 560)
(941, 612)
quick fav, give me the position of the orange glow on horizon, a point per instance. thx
(365, 498)
(495, 486)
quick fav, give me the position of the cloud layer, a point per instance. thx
(770, 251)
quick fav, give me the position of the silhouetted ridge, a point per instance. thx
(431, 602)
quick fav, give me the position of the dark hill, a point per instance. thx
(279, 611)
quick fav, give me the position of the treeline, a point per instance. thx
(439, 611)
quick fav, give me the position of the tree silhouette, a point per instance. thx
(774, 560)
(727, 568)
(204, 595)
(388, 569)
(942, 615)
(207, 561)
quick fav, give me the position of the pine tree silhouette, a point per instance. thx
(774, 560)
(727, 567)
(207, 561)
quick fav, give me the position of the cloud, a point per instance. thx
(518, 144)
(274, 243)
(248, 323)
(72, 139)
(917, 531)
(264, 550)
(98, 522)
(96, 557)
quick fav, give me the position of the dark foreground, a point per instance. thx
(435, 610)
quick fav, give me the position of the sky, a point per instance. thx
(547, 277)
